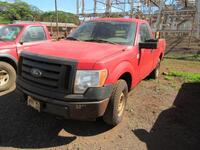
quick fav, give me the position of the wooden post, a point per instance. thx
(191, 33)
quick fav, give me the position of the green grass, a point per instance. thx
(194, 57)
(192, 77)
(168, 78)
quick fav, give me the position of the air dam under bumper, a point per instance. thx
(79, 108)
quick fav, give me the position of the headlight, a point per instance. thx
(89, 78)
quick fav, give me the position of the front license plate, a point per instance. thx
(33, 103)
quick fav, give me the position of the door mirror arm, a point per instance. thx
(21, 42)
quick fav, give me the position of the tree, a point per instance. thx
(63, 17)
(36, 13)
(23, 11)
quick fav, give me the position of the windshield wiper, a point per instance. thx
(100, 41)
(72, 38)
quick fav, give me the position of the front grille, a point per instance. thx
(56, 74)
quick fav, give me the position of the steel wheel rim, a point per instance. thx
(121, 104)
(4, 77)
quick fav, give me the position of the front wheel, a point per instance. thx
(116, 107)
(7, 76)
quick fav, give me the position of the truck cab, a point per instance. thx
(13, 39)
(1, 25)
(89, 74)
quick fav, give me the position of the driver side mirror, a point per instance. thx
(51, 34)
(149, 44)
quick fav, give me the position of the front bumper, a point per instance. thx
(74, 110)
(91, 95)
(88, 106)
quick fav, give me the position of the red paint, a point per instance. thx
(117, 59)
(11, 49)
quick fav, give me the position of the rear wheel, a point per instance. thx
(115, 110)
(7, 76)
(155, 73)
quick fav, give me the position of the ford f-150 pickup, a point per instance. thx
(13, 39)
(89, 74)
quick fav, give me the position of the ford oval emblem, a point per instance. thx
(36, 72)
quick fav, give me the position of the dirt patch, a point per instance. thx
(161, 114)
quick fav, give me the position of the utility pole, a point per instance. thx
(108, 6)
(77, 5)
(56, 10)
(95, 7)
(198, 17)
(159, 18)
(132, 8)
(83, 6)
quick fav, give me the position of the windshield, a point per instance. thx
(9, 33)
(114, 32)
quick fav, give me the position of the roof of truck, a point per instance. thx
(26, 24)
(122, 19)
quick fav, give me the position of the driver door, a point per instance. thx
(146, 55)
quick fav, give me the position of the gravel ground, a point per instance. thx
(160, 115)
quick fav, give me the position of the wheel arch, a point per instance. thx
(161, 56)
(128, 78)
(125, 70)
(10, 60)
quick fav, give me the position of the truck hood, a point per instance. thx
(85, 53)
(7, 45)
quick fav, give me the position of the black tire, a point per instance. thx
(112, 115)
(9, 81)
(155, 73)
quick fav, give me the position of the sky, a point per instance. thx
(64, 5)
(49, 5)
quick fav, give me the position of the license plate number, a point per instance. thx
(33, 103)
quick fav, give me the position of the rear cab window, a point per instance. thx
(10, 32)
(144, 33)
(34, 34)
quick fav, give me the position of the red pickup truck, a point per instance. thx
(89, 74)
(13, 39)
(1, 25)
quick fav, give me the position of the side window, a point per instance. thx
(144, 33)
(34, 34)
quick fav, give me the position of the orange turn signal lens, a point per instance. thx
(102, 77)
